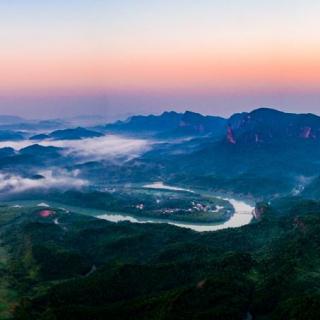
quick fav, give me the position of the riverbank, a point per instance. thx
(239, 216)
(242, 214)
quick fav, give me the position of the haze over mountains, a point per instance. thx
(170, 124)
(263, 154)
(246, 153)
(68, 134)
(260, 125)
(191, 123)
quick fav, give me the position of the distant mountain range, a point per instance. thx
(263, 152)
(170, 124)
(262, 125)
(10, 135)
(68, 134)
(260, 153)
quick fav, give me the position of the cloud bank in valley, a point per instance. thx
(91, 149)
(12, 183)
(106, 147)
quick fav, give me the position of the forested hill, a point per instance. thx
(70, 266)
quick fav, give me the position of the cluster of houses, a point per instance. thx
(199, 207)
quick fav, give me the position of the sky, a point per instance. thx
(119, 57)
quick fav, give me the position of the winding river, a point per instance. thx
(241, 217)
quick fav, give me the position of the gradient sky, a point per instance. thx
(59, 58)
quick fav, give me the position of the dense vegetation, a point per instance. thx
(70, 266)
(143, 203)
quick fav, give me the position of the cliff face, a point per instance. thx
(307, 133)
(268, 126)
(230, 136)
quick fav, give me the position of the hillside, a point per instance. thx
(68, 134)
(79, 267)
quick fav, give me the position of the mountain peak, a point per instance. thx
(188, 112)
(169, 113)
(266, 110)
(266, 125)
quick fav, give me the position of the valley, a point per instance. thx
(235, 214)
(200, 218)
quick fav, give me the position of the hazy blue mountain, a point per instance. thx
(40, 156)
(68, 134)
(36, 149)
(9, 135)
(6, 152)
(41, 136)
(271, 126)
(170, 124)
(26, 160)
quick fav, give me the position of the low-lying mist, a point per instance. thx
(62, 179)
(106, 147)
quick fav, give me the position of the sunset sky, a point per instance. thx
(59, 58)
